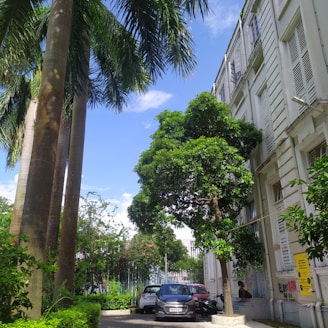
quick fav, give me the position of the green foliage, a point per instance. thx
(194, 267)
(116, 300)
(92, 312)
(194, 172)
(81, 315)
(70, 318)
(16, 266)
(100, 299)
(142, 255)
(119, 302)
(244, 254)
(100, 244)
(205, 116)
(111, 301)
(312, 228)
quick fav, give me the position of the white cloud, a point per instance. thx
(121, 213)
(8, 190)
(149, 100)
(225, 16)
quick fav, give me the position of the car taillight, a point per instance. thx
(143, 294)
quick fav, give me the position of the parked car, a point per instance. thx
(175, 301)
(146, 301)
(199, 291)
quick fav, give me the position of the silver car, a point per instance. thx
(175, 301)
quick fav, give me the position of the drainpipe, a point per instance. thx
(317, 290)
(312, 315)
(281, 311)
(267, 258)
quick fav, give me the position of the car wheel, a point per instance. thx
(141, 311)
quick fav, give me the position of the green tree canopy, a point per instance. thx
(312, 228)
(194, 170)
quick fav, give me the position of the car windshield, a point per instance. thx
(152, 289)
(175, 290)
(198, 289)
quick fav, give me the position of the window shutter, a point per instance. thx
(284, 244)
(301, 66)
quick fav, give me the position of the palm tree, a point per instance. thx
(162, 40)
(21, 29)
(65, 274)
(14, 19)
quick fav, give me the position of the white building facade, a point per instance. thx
(279, 51)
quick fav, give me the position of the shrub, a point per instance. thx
(16, 267)
(109, 302)
(119, 302)
(69, 318)
(81, 315)
(92, 312)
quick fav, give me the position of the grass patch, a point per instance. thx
(276, 324)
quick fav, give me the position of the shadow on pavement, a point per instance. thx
(145, 320)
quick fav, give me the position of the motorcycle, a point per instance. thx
(209, 307)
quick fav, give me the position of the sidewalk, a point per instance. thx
(248, 324)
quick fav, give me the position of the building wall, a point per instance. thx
(279, 49)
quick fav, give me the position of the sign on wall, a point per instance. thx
(304, 274)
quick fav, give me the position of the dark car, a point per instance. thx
(175, 301)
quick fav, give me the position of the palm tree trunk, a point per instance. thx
(41, 171)
(66, 259)
(58, 187)
(15, 224)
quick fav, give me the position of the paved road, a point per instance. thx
(147, 321)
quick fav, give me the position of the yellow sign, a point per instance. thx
(304, 274)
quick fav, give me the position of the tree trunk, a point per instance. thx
(66, 260)
(58, 187)
(228, 309)
(41, 171)
(15, 224)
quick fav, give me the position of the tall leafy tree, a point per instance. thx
(194, 171)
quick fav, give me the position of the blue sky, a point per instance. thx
(114, 142)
